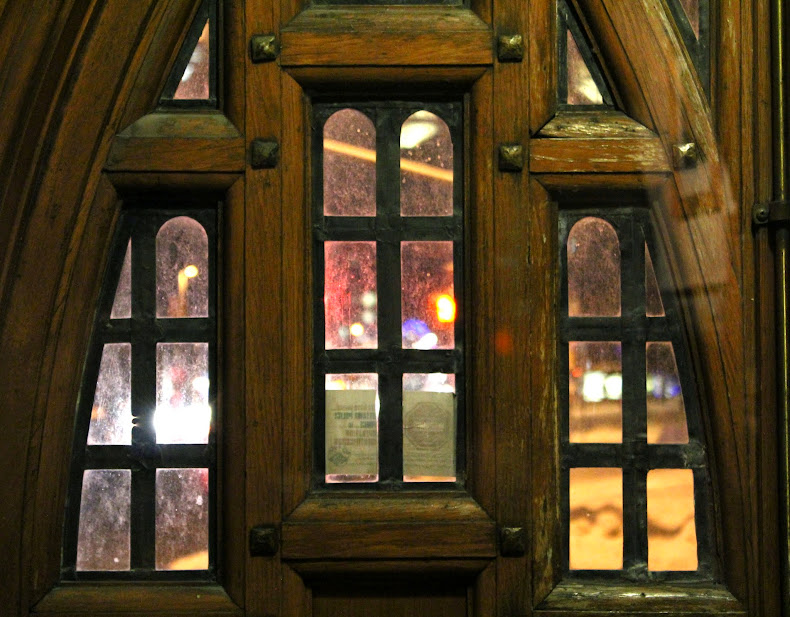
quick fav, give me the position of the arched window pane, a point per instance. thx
(349, 164)
(182, 269)
(593, 269)
(666, 411)
(671, 525)
(111, 415)
(122, 304)
(426, 166)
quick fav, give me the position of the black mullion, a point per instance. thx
(143, 524)
(388, 283)
(143, 519)
(635, 519)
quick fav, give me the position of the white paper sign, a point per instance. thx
(429, 434)
(352, 443)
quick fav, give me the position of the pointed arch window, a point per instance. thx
(142, 499)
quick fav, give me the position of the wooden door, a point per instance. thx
(494, 542)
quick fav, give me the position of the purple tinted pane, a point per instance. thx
(428, 305)
(429, 422)
(183, 413)
(350, 295)
(349, 164)
(596, 518)
(581, 86)
(653, 303)
(426, 166)
(182, 519)
(195, 80)
(595, 392)
(593, 269)
(122, 304)
(671, 525)
(103, 538)
(351, 428)
(111, 415)
(691, 7)
(182, 269)
(666, 411)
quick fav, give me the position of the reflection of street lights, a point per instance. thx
(189, 272)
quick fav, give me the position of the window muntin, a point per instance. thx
(145, 413)
(639, 440)
(400, 301)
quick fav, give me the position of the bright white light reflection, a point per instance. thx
(190, 423)
(419, 127)
(593, 386)
(613, 384)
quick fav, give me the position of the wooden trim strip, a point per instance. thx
(597, 155)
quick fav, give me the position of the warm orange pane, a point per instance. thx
(595, 392)
(181, 251)
(596, 518)
(653, 304)
(671, 528)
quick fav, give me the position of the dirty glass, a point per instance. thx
(349, 164)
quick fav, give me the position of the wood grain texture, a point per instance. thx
(390, 540)
(263, 305)
(585, 155)
(130, 600)
(174, 155)
(393, 81)
(600, 124)
(393, 37)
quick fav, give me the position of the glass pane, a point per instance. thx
(427, 295)
(103, 540)
(671, 528)
(666, 411)
(195, 80)
(593, 269)
(183, 413)
(182, 519)
(349, 164)
(426, 166)
(429, 422)
(595, 392)
(581, 85)
(653, 303)
(352, 433)
(350, 295)
(691, 8)
(182, 269)
(122, 304)
(111, 415)
(596, 518)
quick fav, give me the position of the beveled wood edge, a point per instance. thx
(182, 123)
(373, 569)
(395, 36)
(388, 80)
(590, 186)
(707, 598)
(340, 19)
(134, 183)
(137, 599)
(598, 155)
(603, 123)
(413, 507)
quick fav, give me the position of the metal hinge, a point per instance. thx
(771, 213)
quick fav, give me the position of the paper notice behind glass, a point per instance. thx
(352, 444)
(428, 435)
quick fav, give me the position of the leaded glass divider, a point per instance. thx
(632, 454)
(146, 456)
(388, 231)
